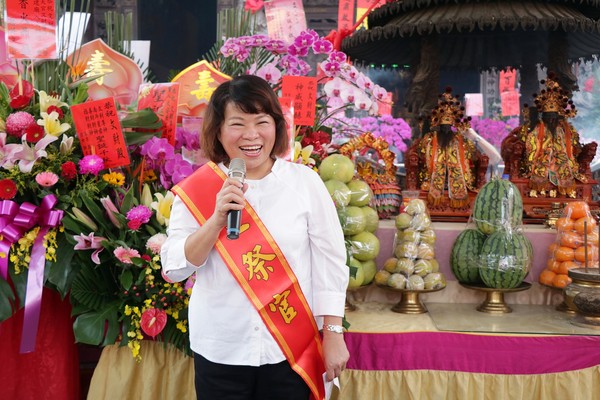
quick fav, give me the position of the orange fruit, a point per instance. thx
(547, 277)
(580, 226)
(571, 239)
(564, 224)
(592, 254)
(565, 266)
(564, 254)
(552, 248)
(593, 238)
(577, 209)
(560, 281)
(553, 265)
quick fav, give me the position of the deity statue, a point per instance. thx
(552, 149)
(445, 161)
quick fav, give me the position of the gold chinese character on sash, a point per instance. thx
(97, 65)
(281, 304)
(255, 262)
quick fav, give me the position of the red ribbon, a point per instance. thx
(15, 221)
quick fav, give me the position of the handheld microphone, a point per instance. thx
(237, 170)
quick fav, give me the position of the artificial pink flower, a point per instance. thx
(125, 254)
(91, 164)
(46, 179)
(18, 122)
(89, 242)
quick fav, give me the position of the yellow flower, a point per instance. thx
(114, 178)
(46, 101)
(52, 125)
(302, 155)
(163, 207)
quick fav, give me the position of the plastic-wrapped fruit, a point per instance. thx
(415, 206)
(403, 220)
(405, 266)
(370, 269)
(420, 222)
(371, 217)
(428, 236)
(406, 249)
(415, 282)
(422, 267)
(390, 264)
(425, 251)
(434, 280)
(435, 265)
(340, 193)
(409, 235)
(381, 277)
(397, 281)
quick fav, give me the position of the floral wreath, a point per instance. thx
(361, 145)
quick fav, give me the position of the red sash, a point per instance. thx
(260, 268)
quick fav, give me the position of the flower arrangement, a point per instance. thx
(494, 130)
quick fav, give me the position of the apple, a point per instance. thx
(339, 192)
(370, 269)
(428, 236)
(361, 193)
(381, 277)
(390, 264)
(365, 246)
(372, 218)
(352, 219)
(337, 166)
(397, 281)
(403, 220)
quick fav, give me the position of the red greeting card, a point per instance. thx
(162, 99)
(345, 14)
(510, 103)
(31, 29)
(303, 92)
(507, 80)
(99, 131)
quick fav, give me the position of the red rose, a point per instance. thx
(8, 189)
(34, 133)
(21, 95)
(69, 170)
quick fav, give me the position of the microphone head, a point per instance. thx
(237, 168)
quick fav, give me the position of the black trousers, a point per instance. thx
(234, 382)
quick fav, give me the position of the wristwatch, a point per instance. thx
(333, 328)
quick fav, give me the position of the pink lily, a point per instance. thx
(7, 152)
(28, 155)
(89, 242)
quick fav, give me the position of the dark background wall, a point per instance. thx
(181, 31)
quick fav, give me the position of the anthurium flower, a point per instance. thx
(21, 94)
(28, 155)
(89, 242)
(46, 101)
(162, 206)
(52, 125)
(153, 321)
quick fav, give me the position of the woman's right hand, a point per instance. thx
(230, 197)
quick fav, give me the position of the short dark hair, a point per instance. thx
(252, 95)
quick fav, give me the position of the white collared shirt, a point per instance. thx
(296, 208)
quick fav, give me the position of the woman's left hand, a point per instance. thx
(336, 354)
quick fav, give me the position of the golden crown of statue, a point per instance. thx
(448, 111)
(554, 99)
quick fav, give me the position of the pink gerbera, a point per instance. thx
(91, 164)
(46, 179)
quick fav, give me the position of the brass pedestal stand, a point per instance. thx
(410, 303)
(494, 302)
